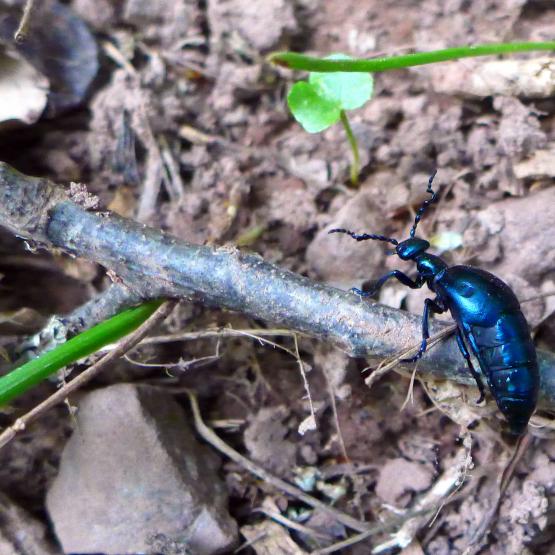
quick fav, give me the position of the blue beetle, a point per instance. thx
(490, 323)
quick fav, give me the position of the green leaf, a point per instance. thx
(312, 111)
(347, 90)
(318, 103)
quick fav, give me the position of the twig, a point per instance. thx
(331, 394)
(410, 391)
(154, 163)
(250, 542)
(391, 363)
(390, 524)
(540, 296)
(106, 304)
(308, 423)
(253, 333)
(155, 265)
(174, 185)
(432, 501)
(384, 527)
(181, 365)
(208, 435)
(258, 336)
(287, 522)
(125, 344)
(540, 422)
(23, 28)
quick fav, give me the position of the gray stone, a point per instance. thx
(133, 474)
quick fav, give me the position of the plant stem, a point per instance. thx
(25, 377)
(355, 166)
(293, 60)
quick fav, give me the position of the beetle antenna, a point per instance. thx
(365, 236)
(425, 204)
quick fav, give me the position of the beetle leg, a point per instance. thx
(430, 305)
(475, 375)
(403, 278)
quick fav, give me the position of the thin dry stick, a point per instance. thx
(175, 186)
(430, 502)
(540, 296)
(466, 464)
(376, 529)
(331, 393)
(410, 392)
(310, 422)
(382, 527)
(250, 542)
(349, 541)
(208, 435)
(288, 523)
(391, 363)
(124, 345)
(154, 162)
(220, 332)
(262, 341)
(23, 29)
(540, 422)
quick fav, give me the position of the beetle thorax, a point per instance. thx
(429, 266)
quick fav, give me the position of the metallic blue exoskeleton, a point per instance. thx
(489, 320)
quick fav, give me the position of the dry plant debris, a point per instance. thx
(185, 128)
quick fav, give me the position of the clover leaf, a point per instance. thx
(317, 104)
(322, 100)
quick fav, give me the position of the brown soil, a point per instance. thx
(210, 118)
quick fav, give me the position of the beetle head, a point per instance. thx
(409, 249)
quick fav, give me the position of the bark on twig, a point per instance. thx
(59, 329)
(155, 265)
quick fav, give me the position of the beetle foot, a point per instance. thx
(419, 354)
(412, 359)
(361, 293)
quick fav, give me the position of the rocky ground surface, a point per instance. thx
(185, 127)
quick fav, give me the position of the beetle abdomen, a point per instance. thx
(519, 406)
(488, 314)
(507, 358)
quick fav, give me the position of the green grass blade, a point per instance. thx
(28, 375)
(293, 60)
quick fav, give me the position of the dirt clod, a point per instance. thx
(399, 476)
